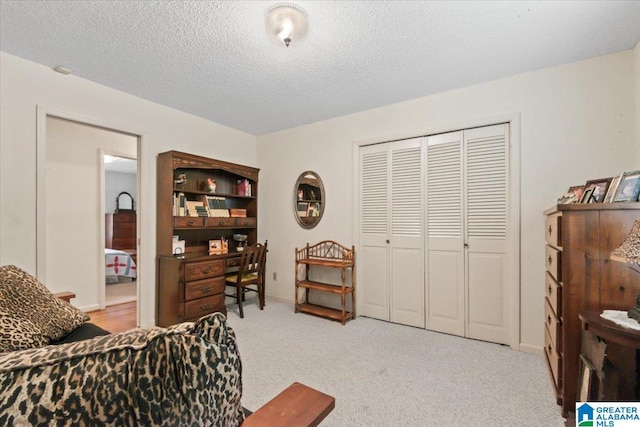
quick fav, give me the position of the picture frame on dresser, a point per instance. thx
(628, 188)
(600, 188)
(586, 196)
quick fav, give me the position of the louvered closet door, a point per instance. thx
(486, 161)
(407, 272)
(390, 259)
(445, 234)
(373, 259)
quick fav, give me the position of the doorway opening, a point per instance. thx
(72, 202)
(120, 193)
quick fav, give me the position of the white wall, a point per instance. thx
(73, 208)
(577, 123)
(115, 183)
(24, 85)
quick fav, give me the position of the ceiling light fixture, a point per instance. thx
(286, 24)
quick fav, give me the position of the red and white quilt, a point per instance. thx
(119, 263)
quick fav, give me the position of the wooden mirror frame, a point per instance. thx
(304, 197)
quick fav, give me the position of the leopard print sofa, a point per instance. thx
(184, 375)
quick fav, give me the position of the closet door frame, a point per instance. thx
(513, 222)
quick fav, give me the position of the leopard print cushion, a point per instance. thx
(30, 315)
(185, 375)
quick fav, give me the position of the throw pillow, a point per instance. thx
(36, 316)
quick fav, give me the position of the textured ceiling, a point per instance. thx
(213, 59)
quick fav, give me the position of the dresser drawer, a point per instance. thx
(220, 222)
(553, 230)
(199, 307)
(203, 288)
(553, 261)
(553, 325)
(188, 222)
(554, 359)
(553, 292)
(204, 269)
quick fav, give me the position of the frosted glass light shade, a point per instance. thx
(286, 24)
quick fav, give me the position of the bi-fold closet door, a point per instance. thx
(446, 269)
(392, 240)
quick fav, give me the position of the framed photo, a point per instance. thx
(628, 188)
(586, 196)
(612, 189)
(587, 380)
(574, 195)
(600, 187)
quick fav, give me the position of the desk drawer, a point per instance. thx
(554, 294)
(220, 222)
(204, 269)
(203, 288)
(188, 222)
(200, 307)
(245, 222)
(553, 325)
(554, 359)
(553, 230)
(553, 261)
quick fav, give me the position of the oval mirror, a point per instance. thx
(308, 199)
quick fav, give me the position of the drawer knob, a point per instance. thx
(221, 223)
(205, 288)
(205, 307)
(549, 289)
(550, 259)
(190, 223)
(206, 271)
(549, 347)
(549, 319)
(550, 230)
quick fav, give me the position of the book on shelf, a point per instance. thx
(243, 187)
(303, 209)
(216, 206)
(179, 204)
(193, 206)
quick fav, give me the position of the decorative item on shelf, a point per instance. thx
(178, 247)
(219, 246)
(574, 195)
(300, 194)
(211, 185)
(180, 181)
(241, 239)
(629, 252)
(238, 213)
(600, 187)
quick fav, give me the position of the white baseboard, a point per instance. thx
(88, 308)
(525, 348)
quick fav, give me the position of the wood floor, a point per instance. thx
(115, 318)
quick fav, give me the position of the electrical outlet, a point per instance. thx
(275, 276)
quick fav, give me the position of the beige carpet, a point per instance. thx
(383, 374)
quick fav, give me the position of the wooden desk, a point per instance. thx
(297, 406)
(622, 351)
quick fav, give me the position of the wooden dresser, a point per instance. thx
(580, 276)
(120, 230)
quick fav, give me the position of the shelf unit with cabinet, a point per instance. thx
(190, 283)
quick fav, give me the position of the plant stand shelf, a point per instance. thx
(327, 254)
